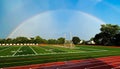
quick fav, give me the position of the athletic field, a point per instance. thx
(26, 55)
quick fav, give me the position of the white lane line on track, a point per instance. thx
(117, 67)
(103, 65)
(33, 50)
(85, 63)
(17, 50)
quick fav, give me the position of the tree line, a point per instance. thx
(35, 40)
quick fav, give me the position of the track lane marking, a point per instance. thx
(59, 67)
(85, 64)
(104, 65)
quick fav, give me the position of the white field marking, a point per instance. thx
(73, 52)
(53, 53)
(57, 47)
(92, 49)
(62, 50)
(46, 49)
(50, 50)
(97, 51)
(56, 53)
(4, 49)
(33, 50)
(17, 51)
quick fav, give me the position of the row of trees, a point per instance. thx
(39, 40)
(36, 39)
(109, 35)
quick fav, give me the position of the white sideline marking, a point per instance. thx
(92, 49)
(17, 50)
(33, 50)
(99, 51)
(53, 53)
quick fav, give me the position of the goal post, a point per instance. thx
(69, 43)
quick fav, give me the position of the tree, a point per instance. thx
(52, 41)
(61, 40)
(32, 40)
(106, 35)
(75, 40)
(110, 29)
(116, 39)
(21, 40)
(38, 39)
(2, 40)
(8, 40)
(44, 41)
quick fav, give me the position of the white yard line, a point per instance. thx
(33, 50)
(17, 50)
(4, 49)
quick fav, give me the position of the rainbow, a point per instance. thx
(40, 14)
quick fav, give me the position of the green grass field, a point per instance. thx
(25, 55)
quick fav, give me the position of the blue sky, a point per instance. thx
(14, 12)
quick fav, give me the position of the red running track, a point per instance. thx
(112, 62)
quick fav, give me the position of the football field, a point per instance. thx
(25, 55)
